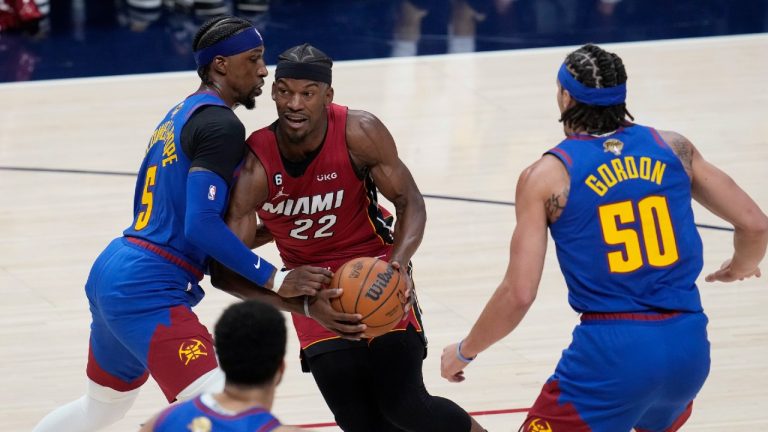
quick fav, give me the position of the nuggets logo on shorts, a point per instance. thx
(539, 425)
(192, 350)
(200, 424)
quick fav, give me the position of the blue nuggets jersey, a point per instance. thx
(159, 205)
(195, 415)
(626, 240)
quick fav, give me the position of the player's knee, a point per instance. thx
(422, 411)
(212, 382)
(109, 395)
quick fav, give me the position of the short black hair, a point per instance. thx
(250, 342)
(594, 67)
(213, 31)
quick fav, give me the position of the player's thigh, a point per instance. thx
(110, 362)
(157, 325)
(397, 359)
(345, 379)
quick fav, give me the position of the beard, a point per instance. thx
(249, 103)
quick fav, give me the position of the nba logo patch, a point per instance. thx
(211, 192)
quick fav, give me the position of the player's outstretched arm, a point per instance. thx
(372, 148)
(517, 290)
(717, 191)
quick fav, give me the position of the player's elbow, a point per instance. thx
(193, 231)
(755, 224)
(520, 297)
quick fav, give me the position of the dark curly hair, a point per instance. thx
(596, 68)
(250, 342)
(213, 31)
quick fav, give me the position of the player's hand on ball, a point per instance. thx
(409, 298)
(304, 280)
(346, 325)
(451, 368)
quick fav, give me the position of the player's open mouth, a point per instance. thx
(294, 121)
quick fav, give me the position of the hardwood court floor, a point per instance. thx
(467, 125)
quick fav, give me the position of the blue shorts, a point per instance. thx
(142, 321)
(625, 371)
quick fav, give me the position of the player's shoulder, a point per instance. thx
(680, 145)
(543, 177)
(362, 120)
(216, 115)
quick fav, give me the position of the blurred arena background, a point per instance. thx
(77, 38)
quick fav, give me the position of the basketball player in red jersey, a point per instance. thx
(312, 177)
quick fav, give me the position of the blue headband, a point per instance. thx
(589, 95)
(241, 42)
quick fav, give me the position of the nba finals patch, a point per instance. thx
(614, 146)
(200, 424)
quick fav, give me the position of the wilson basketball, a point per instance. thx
(373, 289)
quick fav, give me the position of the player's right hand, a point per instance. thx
(304, 280)
(346, 325)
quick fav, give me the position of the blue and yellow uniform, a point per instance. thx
(143, 285)
(630, 252)
(198, 415)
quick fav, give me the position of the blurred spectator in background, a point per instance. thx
(457, 19)
(18, 14)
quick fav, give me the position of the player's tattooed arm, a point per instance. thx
(682, 148)
(555, 204)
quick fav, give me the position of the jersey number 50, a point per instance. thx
(655, 228)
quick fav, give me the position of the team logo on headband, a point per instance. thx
(614, 146)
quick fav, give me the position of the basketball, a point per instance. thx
(373, 289)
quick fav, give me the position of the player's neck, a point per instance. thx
(297, 150)
(240, 398)
(215, 89)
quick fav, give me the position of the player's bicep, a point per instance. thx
(528, 246)
(214, 140)
(372, 146)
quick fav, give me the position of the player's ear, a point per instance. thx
(567, 99)
(219, 64)
(274, 91)
(329, 95)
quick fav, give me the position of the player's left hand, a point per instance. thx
(409, 297)
(304, 280)
(451, 368)
(728, 273)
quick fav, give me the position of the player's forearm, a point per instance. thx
(501, 315)
(749, 247)
(409, 229)
(231, 283)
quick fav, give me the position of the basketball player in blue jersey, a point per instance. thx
(250, 343)
(622, 192)
(142, 287)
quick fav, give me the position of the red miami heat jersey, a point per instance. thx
(324, 217)
(318, 217)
